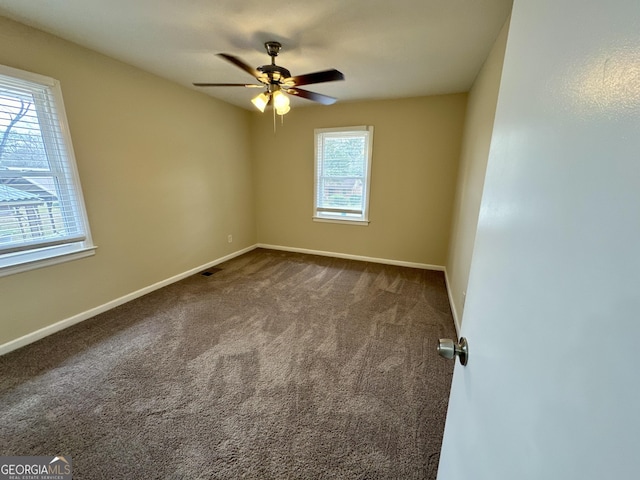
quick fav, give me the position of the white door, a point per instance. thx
(552, 387)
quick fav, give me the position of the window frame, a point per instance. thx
(331, 215)
(62, 163)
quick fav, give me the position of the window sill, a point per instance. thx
(362, 223)
(23, 262)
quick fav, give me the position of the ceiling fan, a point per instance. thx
(277, 81)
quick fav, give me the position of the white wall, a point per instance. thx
(551, 388)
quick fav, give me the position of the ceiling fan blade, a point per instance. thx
(316, 77)
(239, 63)
(316, 97)
(248, 85)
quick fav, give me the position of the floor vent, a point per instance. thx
(210, 271)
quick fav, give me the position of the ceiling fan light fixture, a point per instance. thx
(261, 101)
(280, 101)
(283, 110)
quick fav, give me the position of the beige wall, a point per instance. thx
(165, 171)
(416, 148)
(476, 141)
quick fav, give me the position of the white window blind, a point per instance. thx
(41, 205)
(342, 173)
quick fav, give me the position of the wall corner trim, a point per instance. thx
(454, 312)
(80, 317)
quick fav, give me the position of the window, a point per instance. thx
(42, 216)
(343, 171)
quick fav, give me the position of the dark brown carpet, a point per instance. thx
(277, 366)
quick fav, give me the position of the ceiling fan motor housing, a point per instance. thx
(273, 74)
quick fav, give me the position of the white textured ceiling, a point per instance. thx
(385, 48)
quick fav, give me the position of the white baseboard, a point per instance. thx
(386, 261)
(454, 312)
(61, 325)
